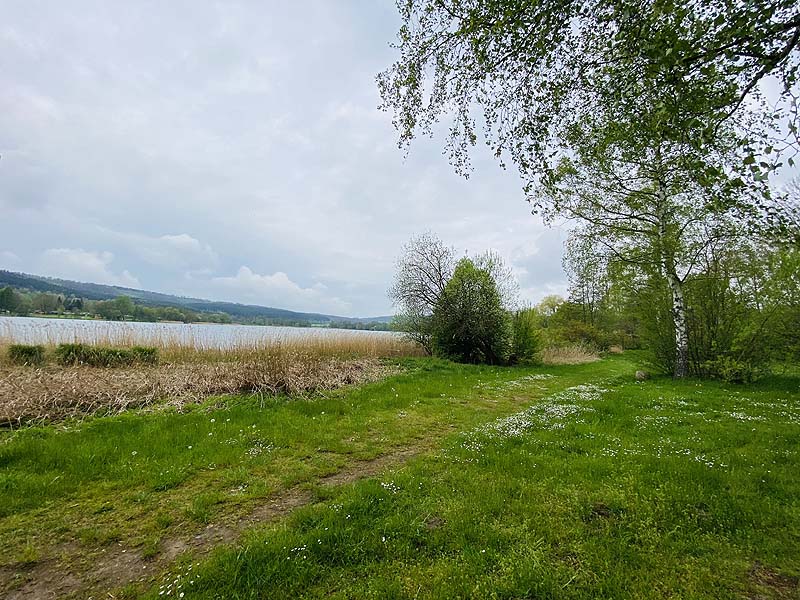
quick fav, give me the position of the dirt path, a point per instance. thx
(121, 566)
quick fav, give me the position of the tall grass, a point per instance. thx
(192, 343)
(189, 370)
(574, 354)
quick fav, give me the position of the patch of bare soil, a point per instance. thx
(769, 584)
(55, 393)
(119, 566)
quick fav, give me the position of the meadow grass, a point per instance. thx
(140, 474)
(549, 482)
(609, 490)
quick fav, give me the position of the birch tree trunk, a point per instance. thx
(679, 318)
(669, 270)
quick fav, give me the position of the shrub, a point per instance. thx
(469, 322)
(417, 327)
(22, 354)
(525, 339)
(111, 357)
(100, 356)
(576, 332)
(732, 370)
(71, 354)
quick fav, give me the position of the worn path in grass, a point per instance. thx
(602, 489)
(91, 507)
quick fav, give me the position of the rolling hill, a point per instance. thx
(96, 291)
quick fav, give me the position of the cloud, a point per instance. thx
(186, 142)
(190, 251)
(277, 290)
(180, 252)
(82, 265)
(8, 259)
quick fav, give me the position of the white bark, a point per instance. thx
(679, 318)
(676, 287)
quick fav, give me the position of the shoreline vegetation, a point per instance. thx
(101, 374)
(345, 325)
(49, 383)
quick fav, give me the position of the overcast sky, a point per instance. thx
(231, 151)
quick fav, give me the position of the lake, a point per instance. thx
(35, 330)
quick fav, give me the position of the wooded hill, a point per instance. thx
(238, 312)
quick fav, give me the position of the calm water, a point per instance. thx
(33, 330)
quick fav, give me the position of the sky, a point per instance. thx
(233, 151)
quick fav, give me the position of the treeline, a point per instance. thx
(24, 302)
(239, 313)
(740, 295)
(122, 308)
(361, 325)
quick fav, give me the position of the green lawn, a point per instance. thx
(568, 482)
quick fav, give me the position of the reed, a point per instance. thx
(187, 371)
(37, 395)
(574, 354)
(187, 344)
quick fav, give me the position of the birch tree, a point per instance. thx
(644, 119)
(656, 209)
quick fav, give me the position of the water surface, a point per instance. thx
(36, 330)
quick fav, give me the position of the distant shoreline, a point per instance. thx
(59, 317)
(38, 330)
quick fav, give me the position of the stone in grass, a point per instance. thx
(642, 375)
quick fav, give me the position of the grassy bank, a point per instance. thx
(566, 481)
(140, 479)
(611, 490)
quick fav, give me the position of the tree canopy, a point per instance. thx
(469, 321)
(529, 72)
(646, 120)
(423, 270)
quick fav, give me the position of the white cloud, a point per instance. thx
(277, 290)
(177, 252)
(8, 259)
(82, 265)
(188, 142)
(534, 295)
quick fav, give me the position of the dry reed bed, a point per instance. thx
(576, 354)
(193, 343)
(30, 395)
(190, 375)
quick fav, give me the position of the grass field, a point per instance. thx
(442, 481)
